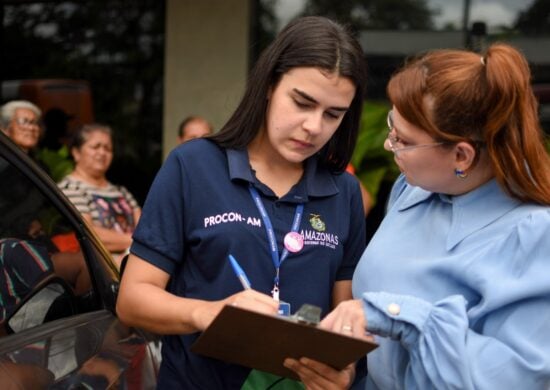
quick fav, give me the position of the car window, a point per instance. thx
(38, 248)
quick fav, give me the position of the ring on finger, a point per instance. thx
(347, 328)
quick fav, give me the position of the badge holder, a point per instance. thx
(284, 309)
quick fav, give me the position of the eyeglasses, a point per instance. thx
(26, 122)
(396, 145)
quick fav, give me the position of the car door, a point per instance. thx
(58, 327)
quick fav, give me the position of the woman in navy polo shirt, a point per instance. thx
(269, 189)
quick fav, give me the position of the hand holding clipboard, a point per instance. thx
(263, 342)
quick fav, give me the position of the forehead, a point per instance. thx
(24, 113)
(405, 128)
(197, 125)
(97, 136)
(329, 88)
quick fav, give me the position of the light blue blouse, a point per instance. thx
(457, 290)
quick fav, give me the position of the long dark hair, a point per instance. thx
(311, 41)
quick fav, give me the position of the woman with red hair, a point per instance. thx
(455, 283)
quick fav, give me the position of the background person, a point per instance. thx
(455, 280)
(26, 263)
(19, 206)
(193, 127)
(285, 148)
(20, 120)
(110, 209)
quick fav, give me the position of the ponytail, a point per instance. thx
(514, 138)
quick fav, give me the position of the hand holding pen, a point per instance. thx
(249, 298)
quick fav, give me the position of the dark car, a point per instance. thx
(58, 288)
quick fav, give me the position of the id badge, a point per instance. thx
(284, 309)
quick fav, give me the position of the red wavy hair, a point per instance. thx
(458, 95)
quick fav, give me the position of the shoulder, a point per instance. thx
(70, 185)
(533, 223)
(518, 258)
(124, 191)
(195, 157)
(321, 182)
(516, 230)
(196, 148)
(347, 180)
(402, 190)
(65, 182)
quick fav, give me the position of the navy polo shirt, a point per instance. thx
(199, 210)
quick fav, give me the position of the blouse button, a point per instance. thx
(394, 309)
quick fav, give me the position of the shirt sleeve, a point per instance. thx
(502, 342)
(158, 235)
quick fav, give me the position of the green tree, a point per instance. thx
(535, 19)
(263, 27)
(375, 14)
(118, 47)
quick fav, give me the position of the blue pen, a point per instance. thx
(239, 272)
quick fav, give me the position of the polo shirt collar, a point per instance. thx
(317, 181)
(239, 166)
(470, 212)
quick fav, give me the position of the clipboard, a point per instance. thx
(263, 342)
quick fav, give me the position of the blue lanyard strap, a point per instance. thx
(277, 261)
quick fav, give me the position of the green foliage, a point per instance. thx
(118, 47)
(373, 164)
(534, 19)
(58, 162)
(375, 14)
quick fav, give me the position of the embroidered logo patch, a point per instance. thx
(319, 236)
(317, 223)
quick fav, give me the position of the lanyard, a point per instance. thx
(277, 261)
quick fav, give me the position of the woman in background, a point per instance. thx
(110, 209)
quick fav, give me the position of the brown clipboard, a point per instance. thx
(263, 342)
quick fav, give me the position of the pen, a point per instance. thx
(239, 272)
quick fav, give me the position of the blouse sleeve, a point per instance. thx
(506, 347)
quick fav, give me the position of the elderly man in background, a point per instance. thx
(20, 120)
